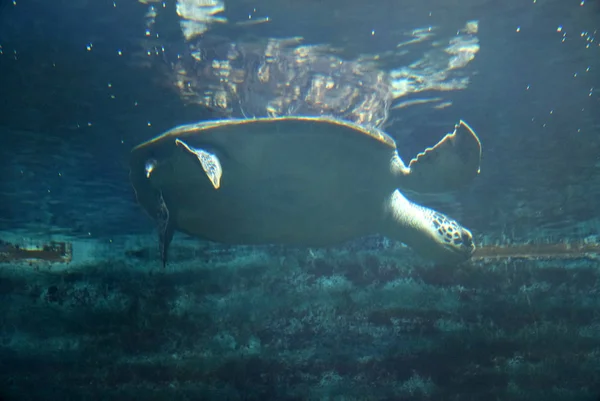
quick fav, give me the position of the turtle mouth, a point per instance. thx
(462, 247)
(461, 252)
(467, 246)
(467, 240)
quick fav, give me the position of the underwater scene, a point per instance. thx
(293, 200)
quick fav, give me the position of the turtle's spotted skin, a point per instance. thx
(450, 230)
(307, 181)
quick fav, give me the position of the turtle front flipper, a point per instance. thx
(210, 162)
(452, 163)
(165, 228)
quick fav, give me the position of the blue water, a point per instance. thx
(82, 83)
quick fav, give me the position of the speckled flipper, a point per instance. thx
(165, 228)
(210, 163)
(450, 164)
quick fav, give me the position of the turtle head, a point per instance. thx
(455, 243)
(433, 235)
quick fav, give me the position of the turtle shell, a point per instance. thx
(311, 181)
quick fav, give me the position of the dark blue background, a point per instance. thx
(540, 169)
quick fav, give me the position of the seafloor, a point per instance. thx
(236, 323)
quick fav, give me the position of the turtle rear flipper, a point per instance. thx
(450, 164)
(165, 229)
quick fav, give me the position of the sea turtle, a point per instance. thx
(307, 181)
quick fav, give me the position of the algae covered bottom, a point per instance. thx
(275, 323)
